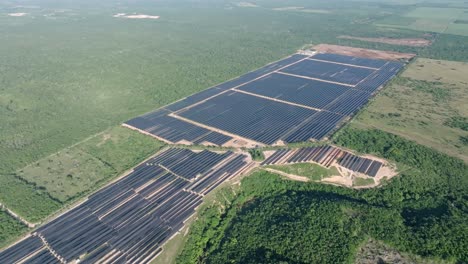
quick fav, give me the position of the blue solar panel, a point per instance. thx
(349, 103)
(373, 63)
(277, 102)
(302, 91)
(193, 99)
(329, 71)
(262, 71)
(249, 116)
(316, 127)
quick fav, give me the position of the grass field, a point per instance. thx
(66, 174)
(363, 181)
(73, 172)
(432, 19)
(421, 105)
(312, 171)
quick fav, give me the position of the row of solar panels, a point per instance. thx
(325, 156)
(129, 220)
(283, 101)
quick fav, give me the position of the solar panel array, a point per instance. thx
(129, 220)
(363, 165)
(296, 99)
(325, 156)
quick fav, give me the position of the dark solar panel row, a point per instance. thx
(329, 71)
(380, 77)
(129, 220)
(217, 176)
(323, 155)
(360, 164)
(194, 98)
(275, 157)
(268, 120)
(169, 128)
(297, 90)
(196, 164)
(233, 83)
(262, 71)
(373, 63)
(214, 138)
(316, 127)
(349, 103)
(42, 257)
(21, 250)
(249, 116)
(147, 120)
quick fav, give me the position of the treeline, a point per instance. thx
(270, 220)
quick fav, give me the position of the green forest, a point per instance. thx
(9, 228)
(423, 211)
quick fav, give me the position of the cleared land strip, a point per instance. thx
(315, 79)
(17, 216)
(290, 176)
(344, 64)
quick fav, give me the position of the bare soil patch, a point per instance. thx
(377, 252)
(17, 14)
(413, 42)
(363, 53)
(302, 9)
(339, 180)
(246, 4)
(135, 16)
(289, 176)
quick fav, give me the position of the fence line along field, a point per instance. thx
(300, 98)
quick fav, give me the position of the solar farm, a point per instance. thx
(129, 220)
(300, 98)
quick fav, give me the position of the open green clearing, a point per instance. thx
(74, 171)
(271, 220)
(431, 19)
(363, 181)
(426, 104)
(312, 171)
(66, 176)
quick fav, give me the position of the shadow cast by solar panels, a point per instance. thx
(296, 99)
(129, 220)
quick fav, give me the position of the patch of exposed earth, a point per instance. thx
(412, 42)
